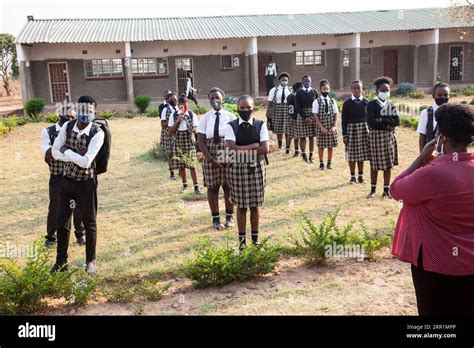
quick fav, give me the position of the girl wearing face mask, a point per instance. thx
(248, 142)
(211, 131)
(166, 140)
(382, 118)
(435, 229)
(427, 125)
(277, 110)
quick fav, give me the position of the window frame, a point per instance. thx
(231, 62)
(97, 76)
(301, 57)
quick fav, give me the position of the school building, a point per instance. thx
(117, 59)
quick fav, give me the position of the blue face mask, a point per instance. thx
(83, 118)
(306, 85)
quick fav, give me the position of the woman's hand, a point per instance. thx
(426, 154)
(324, 130)
(333, 130)
(345, 140)
(217, 164)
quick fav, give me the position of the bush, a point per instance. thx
(231, 108)
(142, 102)
(223, 264)
(423, 107)
(8, 123)
(51, 118)
(416, 95)
(124, 291)
(472, 102)
(107, 114)
(228, 99)
(128, 114)
(369, 96)
(153, 112)
(465, 91)
(199, 109)
(24, 289)
(34, 107)
(410, 122)
(405, 88)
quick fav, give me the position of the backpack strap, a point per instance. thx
(258, 128)
(70, 126)
(51, 133)
(94, 130)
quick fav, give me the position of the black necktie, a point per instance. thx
(283, 95)
(326, 106)
(216, 129)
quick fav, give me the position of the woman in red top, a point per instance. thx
(435, 229)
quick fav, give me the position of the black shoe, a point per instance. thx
(216, 224)
(287, 152)
(371, 195)
(56, 267)
(361, 180)
(297, 153)
(321, 166)
(353, 181)
(229, 222)
(329, 165)
(81, 240)
(173, 177)
(197, 191)
(49, 243)
(304, 157)
(386, 195)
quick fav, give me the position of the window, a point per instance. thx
(103, 67)
(226, 62)
(162, 64)
(346, 58)
(365, 56)
(309, 57)
(144, 66)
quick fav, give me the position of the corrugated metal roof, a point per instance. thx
(223, 27)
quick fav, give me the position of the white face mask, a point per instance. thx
(384, 95)
(439, 150)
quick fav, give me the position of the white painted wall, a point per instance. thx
(74, 51)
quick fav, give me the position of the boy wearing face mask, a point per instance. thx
(166, 139)
(382, 118)
(211, 131)
(48, 135)
(248, 141)
(305, 126)
(427, 125)
(277, 110)
(77, 145)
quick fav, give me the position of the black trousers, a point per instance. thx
(84, 194)
(51, 221)
(270, 80)
(441, 295)
(191, 96)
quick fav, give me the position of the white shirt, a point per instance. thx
(279, 90)
(230, 135)
(207, 122)
(316, 105)
(271, 69)
(165, 109)
(360, 98)
(45, 143)
(71, 156)
(183, 124)
(382, 103)
(189, 86)
(423, 122)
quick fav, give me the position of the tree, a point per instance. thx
(461, 11)
(8, 64)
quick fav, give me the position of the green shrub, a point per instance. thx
(408, 121)
(199, 109)
(405, 88)
(24, 289)
(370, 95)
(153, 112)
(142, 102)
(34, 107)
(51, 118)
(152, 291)
(467, 90)
(416, 95)
(128, 114)
(472, 102)
(107, 114)
(120, 292)
(228, 99)
(8, 123)
(223, 264)
(423, 107)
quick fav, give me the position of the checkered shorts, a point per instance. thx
(214, 176)
(246, 188)
(357, 148)
(383, 149)
(326, 140)
(303, 130)
(279, 117)
(184, 150)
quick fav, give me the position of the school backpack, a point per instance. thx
(102, 158)
(258, 126)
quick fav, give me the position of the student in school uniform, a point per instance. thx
(277, 110)
(215, 166)
(382, 117)
(163, 104)
(271, 72)
(427, 125)
(79, 183)
(292, 115)
(190, 91)
(182, 125)
(167, 140)
(305, 126)
(48, 135)
(355, 131)
(248, 142)
(325, 116)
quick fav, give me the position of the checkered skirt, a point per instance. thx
(357, 148)
(383, 149)
(247, 189)
(166, 141)
(326, 140)
(213, 176)
(184, 150)
(291, 128)
(303, 130)
(279, 117)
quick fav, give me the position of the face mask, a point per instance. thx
(441, 101)
(439, 150)
(384, 95)
(172, 103)
(245, 114)
(324, 94)
(284, 83)
(85, 118)
(216, 104)
(306, 85)
(63, 119)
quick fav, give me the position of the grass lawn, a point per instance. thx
(146, 228)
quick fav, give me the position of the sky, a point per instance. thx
(13, 12)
